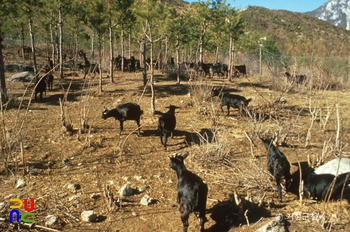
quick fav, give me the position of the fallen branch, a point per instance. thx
(31, 225)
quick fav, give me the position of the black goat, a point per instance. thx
(220, 69)
(49, 81)
(124, 112)
(318, 183)
(191, 192)
(231, 100)
(299, 79)
(277, 165)
(40, 87)
(166, 124)
(323, 186)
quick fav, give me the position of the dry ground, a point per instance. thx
(220, 152)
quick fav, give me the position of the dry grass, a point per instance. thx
(224, 150)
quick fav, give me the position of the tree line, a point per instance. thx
(148, 28)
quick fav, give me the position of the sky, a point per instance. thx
(290, 5)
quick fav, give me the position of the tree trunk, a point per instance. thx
(92, 46)
(76, 46)
(3, 91)
(122, 46)
(177, 59)
(160, 57)
(111, 52)
(100, 63)
(60, 23)
(144, 73)
(129, 44)
(166, 50)
(231, 56)
(152, 78)
(22, 43)
(52, 44)
(32, 44)
(217, 54)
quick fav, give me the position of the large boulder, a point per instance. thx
(22, 77)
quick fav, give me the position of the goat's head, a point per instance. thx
(217, 91)
(177, 159)
(104, 112)
(172, 107)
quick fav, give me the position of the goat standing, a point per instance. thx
(40, 87)
(124, 112)
(191, 192)
(277, 165)
(166, 124)
(231, 100)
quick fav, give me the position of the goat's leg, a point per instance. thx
(121, 127)
(279, 190)
(184, 219)
(228, 110)
(172, 134)
(222, 110)
(138, 127)
(165, 141)
(161, 138)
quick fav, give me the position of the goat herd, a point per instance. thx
(329, 181)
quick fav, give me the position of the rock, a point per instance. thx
(31, 170)
(3, 205)
(51, 220)
(72, 198)
(113, 182)
(10, 196)
(276, 224)
(22, 77)
(73, 186)
(126, 190)
(143, 188)
(20, 183)
(95, 196)
(88, 216)
(138, 178)
(146, 200)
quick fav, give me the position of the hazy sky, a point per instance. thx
(291, 5)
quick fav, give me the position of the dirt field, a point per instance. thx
(219, 147)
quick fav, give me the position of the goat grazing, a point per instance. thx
(231, 100)
(40, 87)
(299, 79)
(166, 124)
(191, 192)
(323, 186)
(277, 165)
(319, 182)
(124, 112)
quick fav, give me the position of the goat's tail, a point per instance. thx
(141, 111)
(248, 100)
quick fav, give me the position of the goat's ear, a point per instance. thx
(185, 155)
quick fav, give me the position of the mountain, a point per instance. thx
(297, 33)
(336, 12)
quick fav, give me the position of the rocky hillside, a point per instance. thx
(336, 12)
(298, 33)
